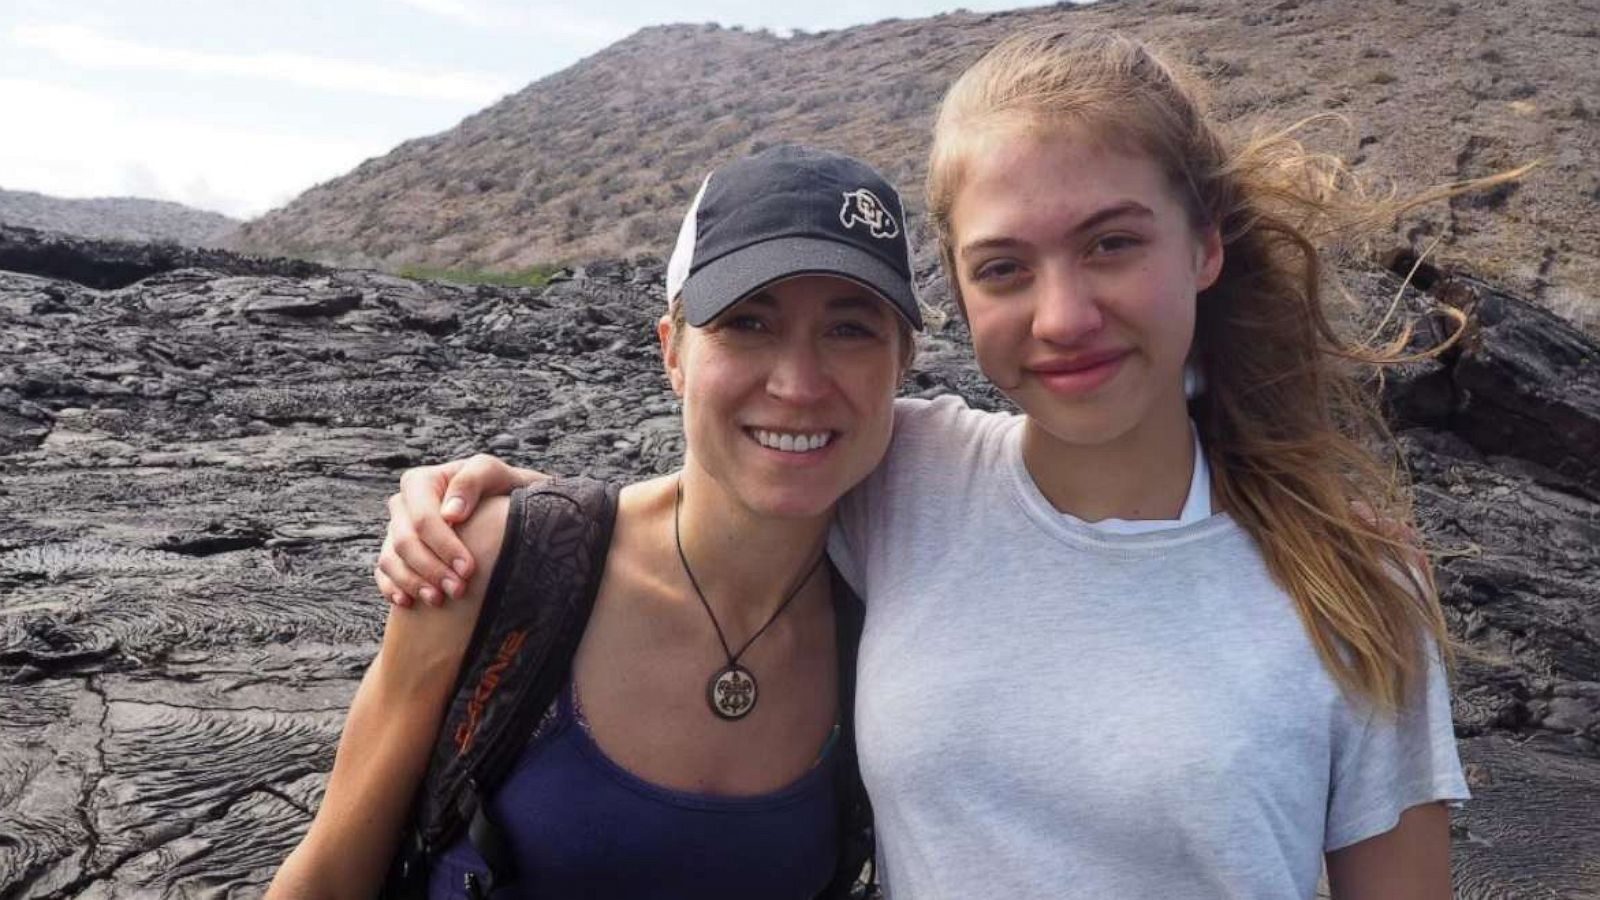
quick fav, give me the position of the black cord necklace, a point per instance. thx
(731, 692)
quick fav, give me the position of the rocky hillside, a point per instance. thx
(195, 462)
(600, 159)
(117, 218)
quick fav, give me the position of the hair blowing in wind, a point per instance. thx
(1288, 419)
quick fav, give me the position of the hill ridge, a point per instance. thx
(598, 160)
(116, 218)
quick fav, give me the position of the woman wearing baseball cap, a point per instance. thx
(700, 746)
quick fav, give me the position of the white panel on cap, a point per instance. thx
(683, 252)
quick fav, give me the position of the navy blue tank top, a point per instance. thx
(580, 825)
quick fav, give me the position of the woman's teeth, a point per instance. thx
(791, 443)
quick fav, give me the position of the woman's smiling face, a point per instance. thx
(1078, 268)
(788, 395)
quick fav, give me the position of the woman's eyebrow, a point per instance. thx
(1116, 210)
(997, 243)
(1093, 220)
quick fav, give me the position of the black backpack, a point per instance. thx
(535, 609)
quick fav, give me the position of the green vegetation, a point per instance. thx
(532, 277)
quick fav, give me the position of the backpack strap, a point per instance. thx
(534, 612)
(853, 810)
(489, 839)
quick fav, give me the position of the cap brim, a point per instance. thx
(726, 281)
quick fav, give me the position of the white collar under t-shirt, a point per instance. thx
(1196, 506)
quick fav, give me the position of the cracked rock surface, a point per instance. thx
(192, 473)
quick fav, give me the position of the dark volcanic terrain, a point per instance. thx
(600, 159)
(193, 463)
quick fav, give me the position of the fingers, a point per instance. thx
(386, 585)
(480, 476)
(422, 556)
(398, 581)
(411, 558)
(422, 491)
(467, 486)
(389, 589)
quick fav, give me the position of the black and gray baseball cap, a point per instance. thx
(787, 211)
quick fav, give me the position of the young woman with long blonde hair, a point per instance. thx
(1165, 634)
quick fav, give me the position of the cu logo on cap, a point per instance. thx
(862, 207)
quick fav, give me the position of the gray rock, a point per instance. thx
(192, 487)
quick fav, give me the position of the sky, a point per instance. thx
(236, 106)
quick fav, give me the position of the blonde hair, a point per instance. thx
(1285, 415)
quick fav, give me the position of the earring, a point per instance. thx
(1194, 380)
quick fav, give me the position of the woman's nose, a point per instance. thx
(797, 374)
(1066, 308)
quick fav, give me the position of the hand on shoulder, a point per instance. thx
(423, 644)
(422, 555)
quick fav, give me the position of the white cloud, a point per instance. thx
(460, 11)
(78, 144)
(561, 25)
(89, 49)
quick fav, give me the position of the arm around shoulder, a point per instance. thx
(388, 735)
(422, 647)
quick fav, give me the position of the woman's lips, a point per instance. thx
(1078, 376)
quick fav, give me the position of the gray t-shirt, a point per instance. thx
(1049, 710)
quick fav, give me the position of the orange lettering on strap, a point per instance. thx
(509, 648)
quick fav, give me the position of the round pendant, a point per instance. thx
(732, 692)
